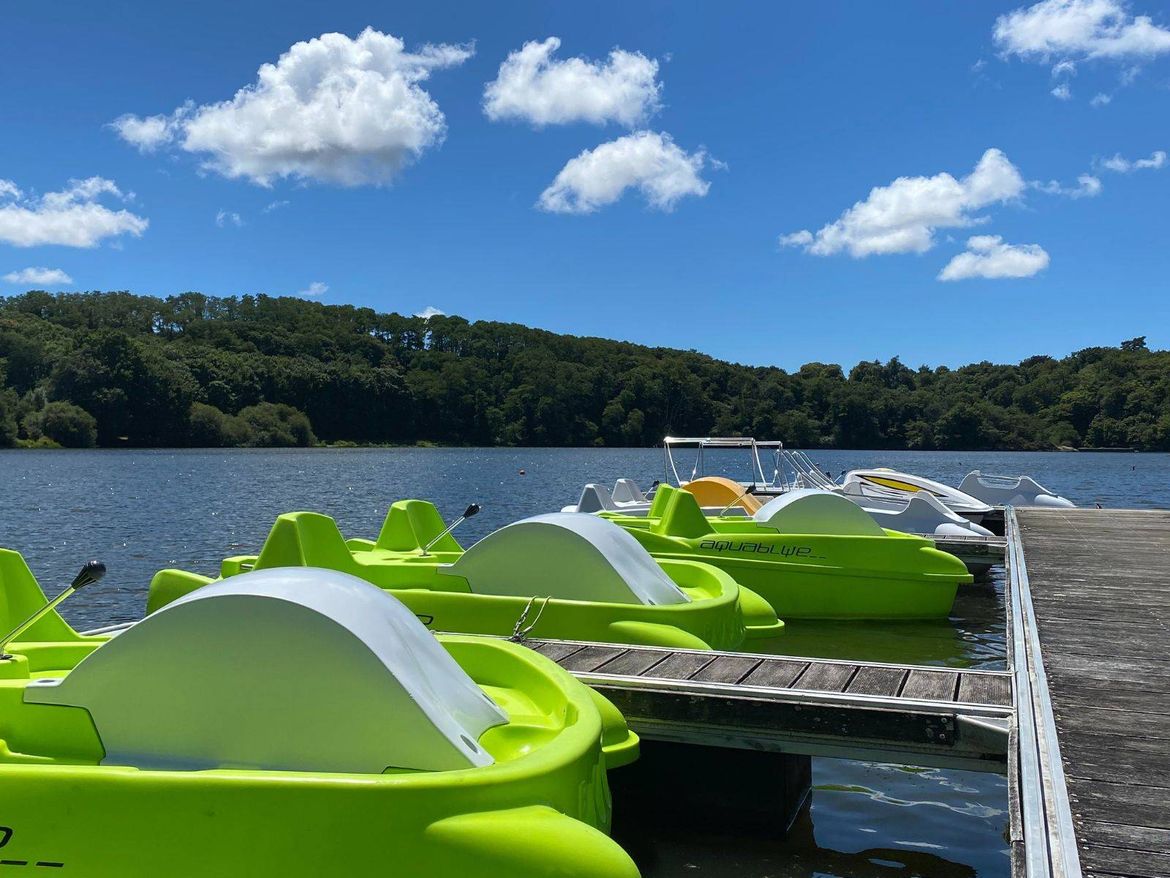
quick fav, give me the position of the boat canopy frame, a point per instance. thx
(702, 443)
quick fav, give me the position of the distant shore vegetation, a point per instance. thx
(120, 370)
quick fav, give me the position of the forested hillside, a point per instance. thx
(116, 369)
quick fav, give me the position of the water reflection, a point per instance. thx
(972, 637)
(938, 825)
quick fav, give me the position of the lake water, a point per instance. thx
(139, 511)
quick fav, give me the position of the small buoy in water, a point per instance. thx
(522, 472)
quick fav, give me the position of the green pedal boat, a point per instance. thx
(296, 722)
(559, 576)
(811, 554)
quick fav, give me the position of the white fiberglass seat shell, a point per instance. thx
(921, 514)
(883, 482)
(1011, 491)
(815, 511)
(292, 668)
(627, 491)
(567, 556)
(594, 498)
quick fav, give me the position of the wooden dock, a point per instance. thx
(1093, 606)
(978, 552)
(856, 710)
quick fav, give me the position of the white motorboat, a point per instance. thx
(1011, 491)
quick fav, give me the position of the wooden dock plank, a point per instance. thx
(590, 658)
(984, 689)
(826, 677)
(1097, 583)
(557, 649)
(877, 681)
(633, 662)
(931, 685)
(682, 665)
(727, 669)
(775, 673)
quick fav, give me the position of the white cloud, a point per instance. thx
(275, 205)
(646, 161)
(1064, 68)
(331, 109)
(1121, 165)
(1079, 29)
(226, 217)
(1087, 187)
(430, 311)
(315, 289)
(1100, 99)
(903, 216)
(149, 133)
(532, 86)
(988, 256)
(1062, 92)
(73, 217)
(42, 276)
(1129, 75)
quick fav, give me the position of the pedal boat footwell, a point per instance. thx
(572, 577)
(298, 723)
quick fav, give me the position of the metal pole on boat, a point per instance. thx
(471, 510)
(751, 489)
(90, 573)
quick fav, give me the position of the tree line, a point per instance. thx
(121, 370)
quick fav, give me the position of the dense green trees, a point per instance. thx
(62, 423)
(126, 370)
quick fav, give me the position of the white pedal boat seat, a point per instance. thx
(1011, 491)
(816, 511)
(568, 556)
(921, 514)
(293, 668)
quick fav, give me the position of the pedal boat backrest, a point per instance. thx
(679, 515)
(596, 498)
(295, 669)
(569, 556)
(411, 524)
(21, 596)
(815, 511)
(627, 491)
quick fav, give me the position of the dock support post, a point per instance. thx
(713, 788)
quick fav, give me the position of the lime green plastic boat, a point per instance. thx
(559, 576)
(811, 554)
(296, 723)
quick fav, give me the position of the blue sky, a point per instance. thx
(715, 137)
